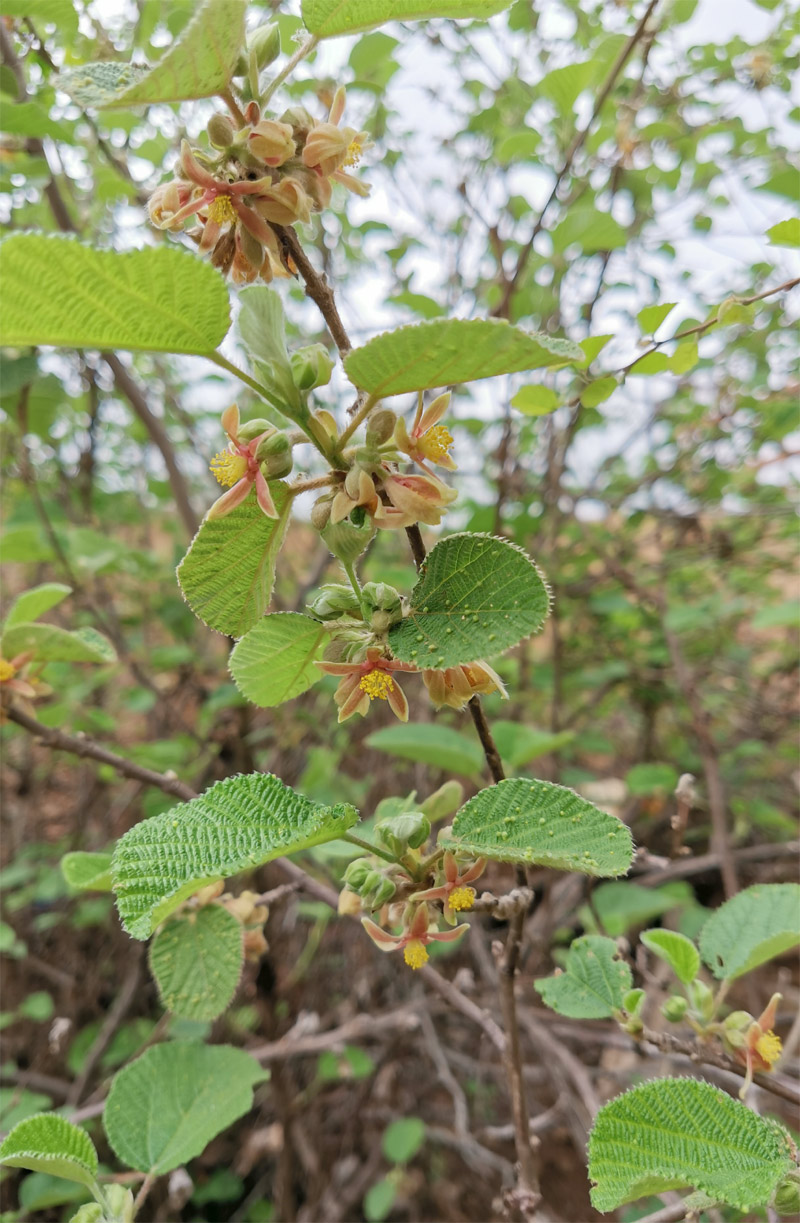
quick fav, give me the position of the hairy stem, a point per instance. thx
(369, 848)
(288, 68)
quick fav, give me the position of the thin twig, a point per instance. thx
(317, 288)
(119, 1010)
(700, 1053)
(302, 51)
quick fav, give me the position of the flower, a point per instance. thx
(420, 930)
(364, 682)
(455, 686)
(238, 469)
(753, 1042)
(10, 678)
(418, 498)
(328, 147)
(271, 142)
(453, 891)
(428, 441)
(358, 489)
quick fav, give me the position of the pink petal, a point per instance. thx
(433, 414)
(439, 893)
(229, 500)
(419, 923)
(450, 867)
(386, 942)
(264, 497)
(252, 221)
(397, 702)
(352, 184)
(474, 871)
(337, 105)
(230, 422)
(357, 702)
(449, 936)
(338, 668)
(194, 171)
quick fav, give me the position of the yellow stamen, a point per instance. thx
(462, 898)
(435, 444)
(7, 670)
(769, 1047)
(415, 954)
(377, 684)
(228, 468)
(354, 150)
(222, 211)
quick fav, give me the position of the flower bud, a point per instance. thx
(299, 120)
(220, 131)
(252, 249)
(357, 872)
(377, 891)
(787, 1196)
(266, 43)
(332, 601)
(349, 903)
(444, 801)
(346, 540)
(380, 426)
(253, 428)
(701, 999)
(311, 367)
(271, 142)
(321, 511)
(401, 832)
(674, 1008)
(275, 456)
(380, 596)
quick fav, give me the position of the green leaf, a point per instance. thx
(785, 233)
(563, 85)
(445, 352)
(651, 318)
(275, 661)
(35, 602)
(228, 573)
(621, 906)
(48, 1143)
(327, 18)
(592, 346)
(593, 983)
(379, 1199)
(60, 13)
(52, 644)
(519, 744)
(678, 951)
(238, 824)
(475, 597)
(598, 392)
(752, 927)
(31, 119)
(262, 329)
(164, 1108)
(652, 363)
(199, 65)
(535, 400)
(685, 357)
(671, 1133)
(59, 291)
(402, 1139)
(196, 960)
(651, 778)
(525, 821)
(430, 743)
(589, 229)
(87, 872)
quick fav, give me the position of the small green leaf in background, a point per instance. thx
(196, 960)
(752, 927)
(598, 392)
(59, 291)
(379, 1199)
(621, 906)
(535, 400)
(238, 824)
(262, 328)
(590, 229)
(199, 65)
(59, 13)
(164, 1108)
(228, 573)
(448, 351)
(519, 744)
(326, 18)
(475, 597)
(275, 661)
(49, 1143)
(678, 951)
(592, 346)
(35, 602)
(670, 1133)
(593, 983)
(652, 778)
(430, 743)
(530, 822)
(52, 644)
(87, 871)
(41, 1191)
(785, 233)
(651, 318)
(402, 1139)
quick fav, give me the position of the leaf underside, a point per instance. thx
(525, 821)
(240, 823)
(326, 18)
(670, 1133)
(752, 927)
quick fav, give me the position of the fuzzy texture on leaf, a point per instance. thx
(326, 18)
(530, 822)
(275, 660)
(752, 927)
(196, 960)
(46, 1142)
(670, 1133)
(593, 983)
(238, 824)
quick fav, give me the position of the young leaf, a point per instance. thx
(475, 597)
(87, 872)
(448, 351)
(196, 960)
(262, 328)
(593, 983)
(59, 291)
(275, 661)
(430, 743)
(227, 575)
(164, 1108)
(525, 821)
(49, 1143)
(199, 65)
(535, 400)
(752, 927)
(674, 1132)
(32, 604)
(620, 906)
(678, 951)
(238, 824)
(651, 318)
(326, 18)
(52, 644)
(519, 744)
(785, 233)
(402, 1139)
(598, 392)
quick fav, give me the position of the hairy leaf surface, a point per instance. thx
(196, 960)
(46, 1142)
(593, 983)
(752, 927)
(326, 18)
(275, 661)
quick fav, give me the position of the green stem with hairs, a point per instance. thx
(371, 849)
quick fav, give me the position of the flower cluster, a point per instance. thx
(16, 681)
(752, 1041)
(238, 469)
(366, 681)
(453, 890)
(269, 172)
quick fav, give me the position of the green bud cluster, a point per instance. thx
(275, 456)
(675, 1008)
(382, 605)
(311, 367)
(374, 886)
(332, 601)
(399, 833)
